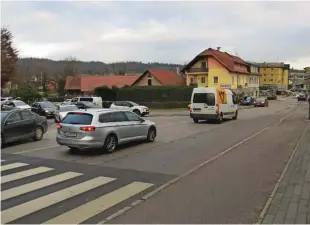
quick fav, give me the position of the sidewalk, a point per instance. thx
(291, 202)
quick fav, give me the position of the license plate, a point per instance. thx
(70, 134)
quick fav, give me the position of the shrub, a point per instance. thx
(106, 93)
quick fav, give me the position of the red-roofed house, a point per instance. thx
(85, 84)
(213, 68)
(159, 78)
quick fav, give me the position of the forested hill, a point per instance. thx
(28, 67)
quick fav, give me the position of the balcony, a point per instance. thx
(198, 70)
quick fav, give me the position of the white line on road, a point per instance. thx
(23, 174)
(32, 206)
(171, 182)
(16, 191)
(37, 149)
(12, 166)
(90, 209)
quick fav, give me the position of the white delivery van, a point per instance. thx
(213, 104)
(94, 100)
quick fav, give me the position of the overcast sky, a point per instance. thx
(172, 32)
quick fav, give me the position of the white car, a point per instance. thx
(140, 110)
(17, 104)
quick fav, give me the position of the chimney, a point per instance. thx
(178, 70)
(218, 48)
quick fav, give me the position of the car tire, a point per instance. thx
(56, 121)
(235, 117)
(110, 143)
(38, 134)
(74, 149)
(151, 134)
(196, 120)
(136, 111)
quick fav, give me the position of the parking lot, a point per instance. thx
(232, 148)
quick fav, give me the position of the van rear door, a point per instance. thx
(204, 103)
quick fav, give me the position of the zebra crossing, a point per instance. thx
(28, 200)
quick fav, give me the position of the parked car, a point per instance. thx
(103, 128)
(302, 97)
(140, 110)
(85, 105)
(93, 99)
(62, 111)
(19, 124)
(261, 102)
(17, 104)
(247, 101)
(44, 108)
(5, 99)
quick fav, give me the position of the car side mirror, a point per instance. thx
(142, 120)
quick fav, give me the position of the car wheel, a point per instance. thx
(2, 141)
(136, 111)
(196, 120)
(235, 116)
(151, 135)
(74, 149)
(110, 143)
(56, 121)
(38, 134)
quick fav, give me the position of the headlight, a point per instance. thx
(46, 111)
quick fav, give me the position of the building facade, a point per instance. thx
(254, 77)
(274, 74)
(214, 68)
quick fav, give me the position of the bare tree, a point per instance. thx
(9, 56)
(71, 66)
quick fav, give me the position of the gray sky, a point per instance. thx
(172, 32)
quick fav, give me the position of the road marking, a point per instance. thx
(100, 204)
(173, 181)
(23, 174)
(267, 205)
(37, 149)
(13, 192)
(32, 206)
(12, 166)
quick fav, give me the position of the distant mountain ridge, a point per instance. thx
(28, 67)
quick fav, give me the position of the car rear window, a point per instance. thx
(86, 99)
(206, 98)
(78, 118)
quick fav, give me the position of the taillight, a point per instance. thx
(78, 113)
(88, 128)
(58, 126)
(217, 108)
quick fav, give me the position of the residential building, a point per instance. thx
(274, 74)
(298, 79)
(253, 84)
(85, 84)
(214, 68)
(159, 78)
(307, 78)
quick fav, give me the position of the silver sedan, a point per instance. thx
(103, 128)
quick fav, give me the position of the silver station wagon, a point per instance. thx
(103, 128)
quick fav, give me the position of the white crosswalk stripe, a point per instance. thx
(12, 166)
(13, 192)
(23, 174)
(74, 215)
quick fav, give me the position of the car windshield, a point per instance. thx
(19, 103)
(47, 105)
(3, 115)
(133, 103)
(68, 108)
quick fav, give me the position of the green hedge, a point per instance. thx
(165, 105)
(146, 93)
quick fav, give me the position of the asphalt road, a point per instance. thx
(211, 173)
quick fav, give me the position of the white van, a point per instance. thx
(213, 104)
(94, 100)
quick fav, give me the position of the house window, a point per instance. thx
(264, 79)
(215, 80)
(203, 80)
(149, 80)
(204, 64)
(192, 80)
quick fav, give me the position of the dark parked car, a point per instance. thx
(85, 105)
(44, 108)
(302, 97)
(247, 101)
(261, 102)
(19, 124)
